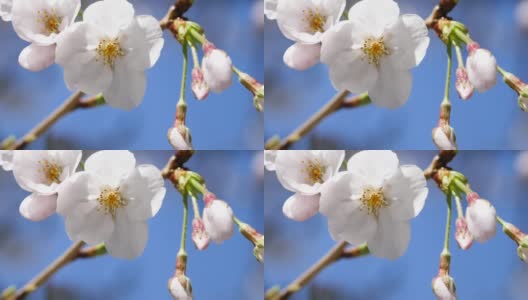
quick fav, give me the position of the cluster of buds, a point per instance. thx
(443, 284)
(179, 285)
(444, 135)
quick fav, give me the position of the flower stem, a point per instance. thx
(448, 225)
(460, 211)
(184, 226)
(332, 256)
(448, 73)
(196, 208)
(194, 54)
(460, 60)
(181, 101)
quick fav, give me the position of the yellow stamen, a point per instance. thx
(314, 171)
(109, 50)
(50, 21)
(374, 49)
(51, 171)
(110, 200)
(373, 200)
(315, 20)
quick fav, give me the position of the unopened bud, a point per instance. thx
(200, 237)
(217, 68)
(444, 287)
(463, 87)
(258, 251)
(218, 220)
(199, 87)
(444, 137)
(180, 137)
(481, 67)
(481, 218)
(180, 287)
(463, 236)
(522, 250)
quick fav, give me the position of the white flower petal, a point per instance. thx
(393, 87)
(271, 155)
(89, 224)
(111, 165)
(144, 189)
(392, 238)
(374, 165)
(38, 207)
(143, 39)
(408, 40)
(407, 191)
(79, 189)
(301, 56)
(5, 9)
(270, 9)
(127, 88)
(128, 240)
(109, 15)
(375, 14)
(37, 58)
(6, 159)
(300, 208)
(27, 170)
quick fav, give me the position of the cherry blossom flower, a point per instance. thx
(177, 291)
(5, 9)
(217, 219)
(305, 22)
(373, 202)
(481, 67)
(269, 159)
(40, 22)
(42, 173)
(375, 50)
(111, 201)
(444, 288)
(6, 159)
(481, 218)
(305, 173)
(270, 9)
(217, 68)
(109, 52)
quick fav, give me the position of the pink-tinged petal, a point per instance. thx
(36, 58)
(300, 207)
(38, 207)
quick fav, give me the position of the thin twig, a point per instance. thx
(70, 255)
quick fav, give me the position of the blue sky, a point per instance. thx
(223, 121)
(227, 271)
(487, 271)
(488, 121)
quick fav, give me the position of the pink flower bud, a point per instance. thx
(218, 220)
(444, 137)
(444, 287)
(217, 68)
(463, 87)
(198, 85)
(301, 57)
(180, 138)
(481, 218)
(481, 67)
(199, 235)
(462, 235)
(180, 288)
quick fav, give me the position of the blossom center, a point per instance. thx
(372, 200)
(50, 21)
(374, 49)
(110, 200)
(109, 50)
(314, 171)
(315, 20)
(51, 171)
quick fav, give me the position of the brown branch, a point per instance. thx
(439, 161)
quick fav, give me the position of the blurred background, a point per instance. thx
(222, 121)
(487, 121)
(227, 271)
(486, 271)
